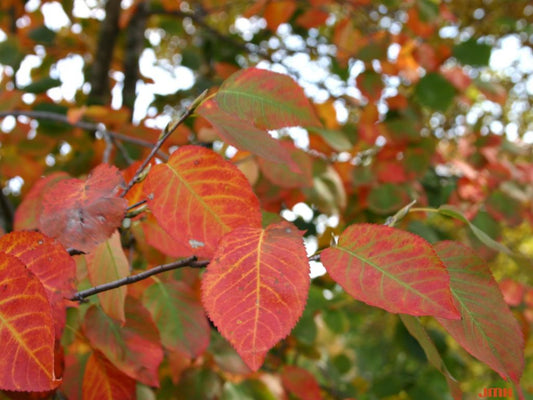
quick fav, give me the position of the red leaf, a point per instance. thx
(82, 214)
(102, 381)
(255, 288)
(391, 269)
(278, 12)
(283, 176)
(179, 316)
(50, 262)
(300, 383)
(252, 101)
(198, 196)
(162, 241)
(487, 329)
(268, 99)
(243, 135)
(106, 263)
(26, 330)
(134, 348)
(29, 211)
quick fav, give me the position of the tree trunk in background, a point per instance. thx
(134, 48)
(100, 93)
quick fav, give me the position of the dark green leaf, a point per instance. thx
(472, 53)
(435, 92)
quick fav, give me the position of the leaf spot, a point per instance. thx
(196, 243)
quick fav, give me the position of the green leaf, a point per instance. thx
(336, 139)
(43, 35)
(435, 92)
(472, 53)
(487, 328)
(416, 330)
(482, 236)
(387, 198)
(10, 53)
(180, 317)
(42, 85)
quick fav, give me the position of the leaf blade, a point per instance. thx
(82, 214)
(106, 263)
(255, 288)
(209, 197)
(391, 269)
(26, 330)
(487, 323)
(36, 250)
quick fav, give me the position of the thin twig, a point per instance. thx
(51, 116)
(139, 203)
(186, 262)
(167, 132)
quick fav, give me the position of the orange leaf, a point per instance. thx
(82, 214)
(52, 265)
(26, 330)
(106, 263)
(301, 383)
(391, 269)
(198, 196)
(102, 381)
(256, 287)
(277, 12)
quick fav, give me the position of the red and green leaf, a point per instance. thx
(106, 263)
(134, 348)
(28, 213)
(179, 316)
(52, 265)
(255, 288)
(267, 99)
(301, 383)
(197, 197)
(487, 329)
(26, 330)
(391, 269)
(244, 135)
(82, 214)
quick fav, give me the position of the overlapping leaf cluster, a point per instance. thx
(223, 191)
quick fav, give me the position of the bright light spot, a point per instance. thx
(317, 269)
(511, 130)
(248, 27)
(50, 160)
(304, 211)
(8, 123)
(54, 16)
(14, 185)
(23, 75)
(528, 137)
(65, 148)
(70, 71)
(328, 294)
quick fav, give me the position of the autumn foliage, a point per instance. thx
(173, 263)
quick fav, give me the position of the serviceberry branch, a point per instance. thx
(191, 262)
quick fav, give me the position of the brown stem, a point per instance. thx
(51, 116)
(186, 262)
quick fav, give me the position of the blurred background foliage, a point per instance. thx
(420, 99)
